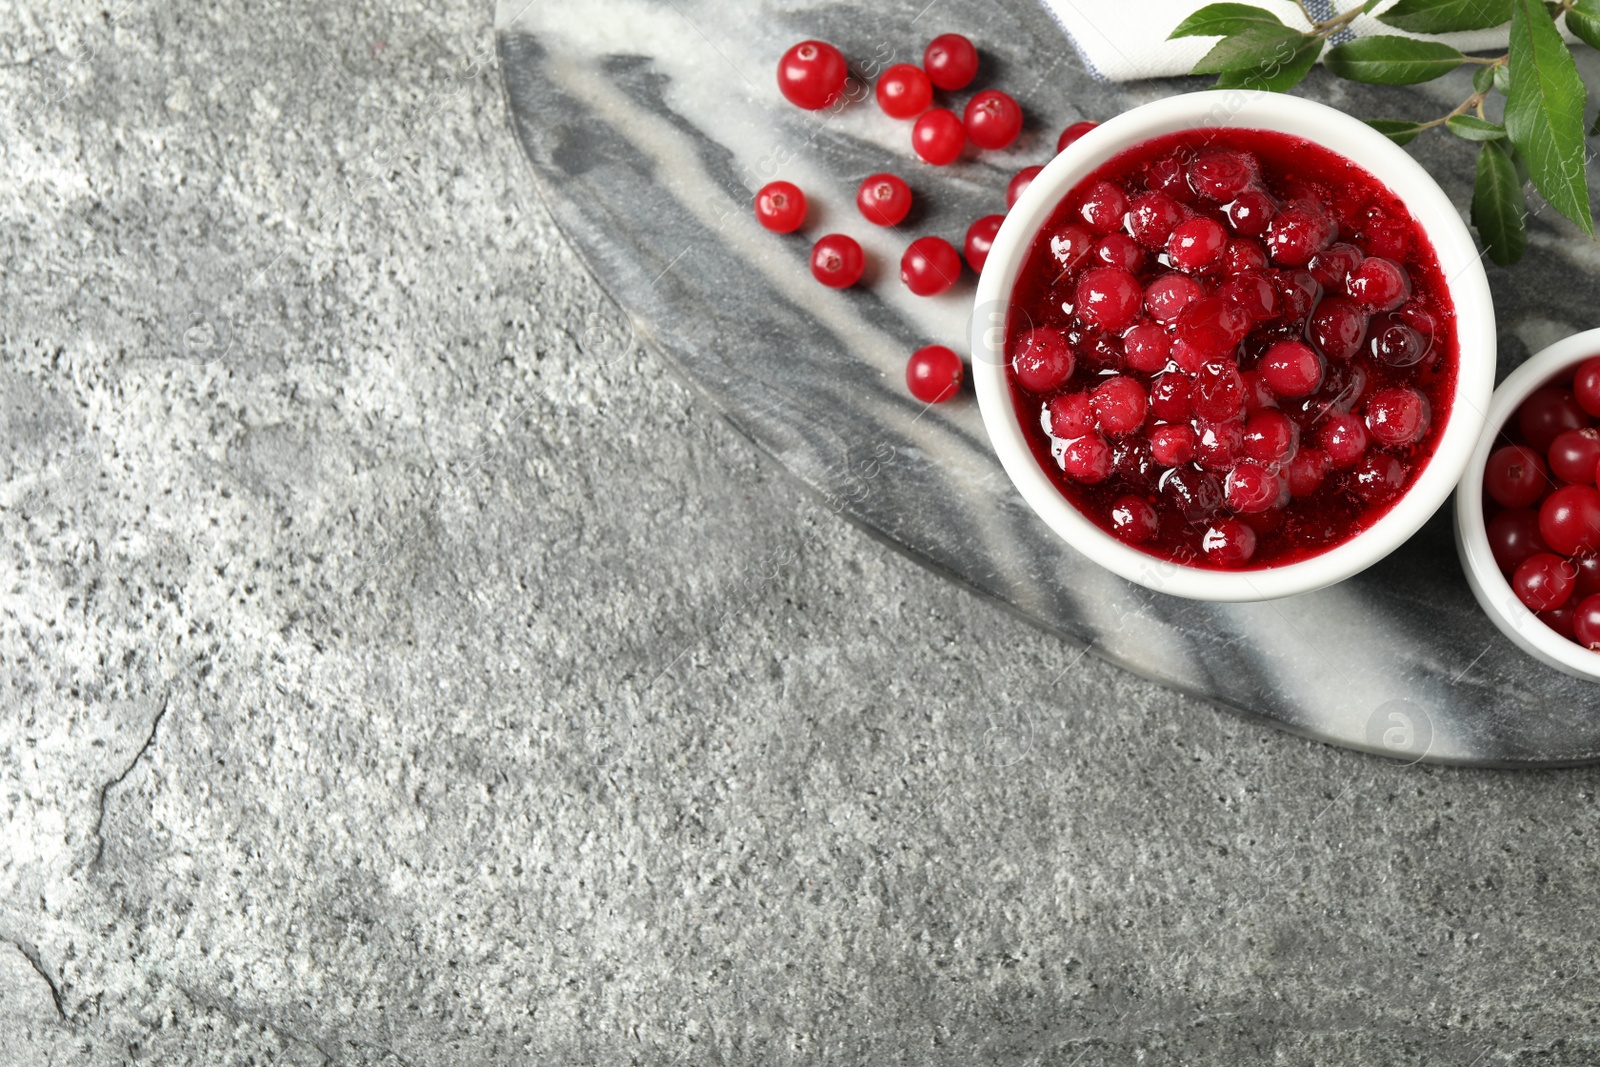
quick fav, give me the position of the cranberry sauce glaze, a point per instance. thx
(1231, 348)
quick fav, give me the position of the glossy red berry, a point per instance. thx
(1514, 536)
(1253, 292)
(1270, 437)
(1547, 413)
(1119, 405)
(1172, 444)
(951, 61)
(781, 207)
(1337, 327)
(1229, 543)
(1291, 369)
(938, 137)
(1108, 297)
(1242, 256)
(1515, 477)
(1586, 385)
(1299, 292)
(884, 199)
(1574, 455)
(1119, 250)
(1146, 347)
(1041, 359)
(1544, 581)
(1087, 459)
(1070, 246)
(1169, 294)
(1072, 133)
(1569, 519)
(1217, 391)
(933, 374)
(992, 119)
(1251, 488)
(1344, 439)
(1378, 477)
(1334, 264)
(1212, 327)
(930, 266)
(1169, 398)
(1019, 182)
(1250, 213)
(1217, 445)
(1396, 343)
(1133, 520)
(1103, 207)
(836, 261)
(1221, 173)
(1071, 415)
(1307, 471)
(1397, 417)
(980, 238)
(1586, 623)
(1298, 233)
(1152, 217)
(1378, 284)
(1197, 245)
(812, 75)
(904, 91)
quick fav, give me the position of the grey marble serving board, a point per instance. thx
(650, 124)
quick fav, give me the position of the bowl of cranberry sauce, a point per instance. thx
(1227, 361)
(1528, 510)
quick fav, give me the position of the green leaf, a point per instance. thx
(1390, 60)
(1251, 50)
(1224, 20)
(1446, 16)
(1366, 8)
(1502, 78)
(1584, 22)
(1471, 128)
(1544, 112)
(1279, 75)
(1483, 79)
(1499, 210)
(1398, 131)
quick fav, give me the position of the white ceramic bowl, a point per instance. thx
(1349, 137)
(1494, 593)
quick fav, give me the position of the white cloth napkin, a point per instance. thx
(1123, 40)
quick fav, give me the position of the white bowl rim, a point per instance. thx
(1488, 584)
(1459, 261)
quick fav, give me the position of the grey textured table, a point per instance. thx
(389, 680)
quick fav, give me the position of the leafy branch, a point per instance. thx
(1540, 138)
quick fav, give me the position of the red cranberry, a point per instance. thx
(1586, 385)
(812, 74)
(1398, 416)
(1575, 454)
(1196, 245)
(1344, 439)
(1172, 444)
(1258, 395)
(1070, 415)
(1396, 343)
(1019, 182)
(1386, 237)
(1270, 438)
(884, 199)
(1544, 581)
(836, 261)
(951, 61)
(1250, 213)
(1072, 133)
(1297, 233)
(1146, 347)
(1307, 471)
(1119, 404)
(1333, 264)
(1547, 413)
(1514, 536)
(980, 238)
(1185, 356)
(1299, 292)
(1562, 619)
(1515, 477)
(992, 119)
(933, 374)
(1291, 369)
(1152, 217)
(781, 207)
(1251, 488)
(1337, 327)
(1217, 444)
(1087, 459)
(1100, 350)
(904, 91)
(1218, 391)
(1241, 256)
(930, 266)
(1220, 173)
(1070, 247)
(1378, 477)
(1119, 250)
(1169, 398)
(1212, 327)
(1588, 583)
(1108, 297)
(1103, 207)
(1041, 360)
(1133, 463)
(1171, 177)
(1569, 519)
(1133, 520)
(1196, 495)
(1379, 284)
(1251, 291)
(1229, 543)
(1586, 623)
(938, 137)
(1169, 294)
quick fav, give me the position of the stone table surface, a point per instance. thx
(388, 680)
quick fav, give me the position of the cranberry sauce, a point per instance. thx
(1232, 348)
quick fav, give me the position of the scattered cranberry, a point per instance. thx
(1087, 459)
(1251, 212)
(1133, 520)
(1217, 444)
(1270, 437)
(1337, 327)
(1547, 413)
(884, 199)
(1119, 250)
(836, 261)
(1344, 439)
(1071, 246)
(1169, 398)
(1071, 134)
(1220, 173)
(1251, 488)
(1586, 386)
(1574, 455)
(938, 137)
(930, 266)
(1586, 623)
(781, 207)
(1569, 519)
(1397, 417)
(1042, 360)
(1071, 415)
(1514, 536)
(1152, 217)
(1298, 233)
(951, 62)
(1515, 477)
(812, 75)
(1146, 347)
(1379, 284)
(1229, 543)
(1119, 404)
(904, 91)
(1543, 581)
(980, 238)
(1019, 182)
(1378, 477)
(1103, 208)
(992, 119)
(1169, 294)
(933, 374)
(1108, 297)
(1241, 256)
(1291, 369)
(1196, 245)
(1172, 444)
